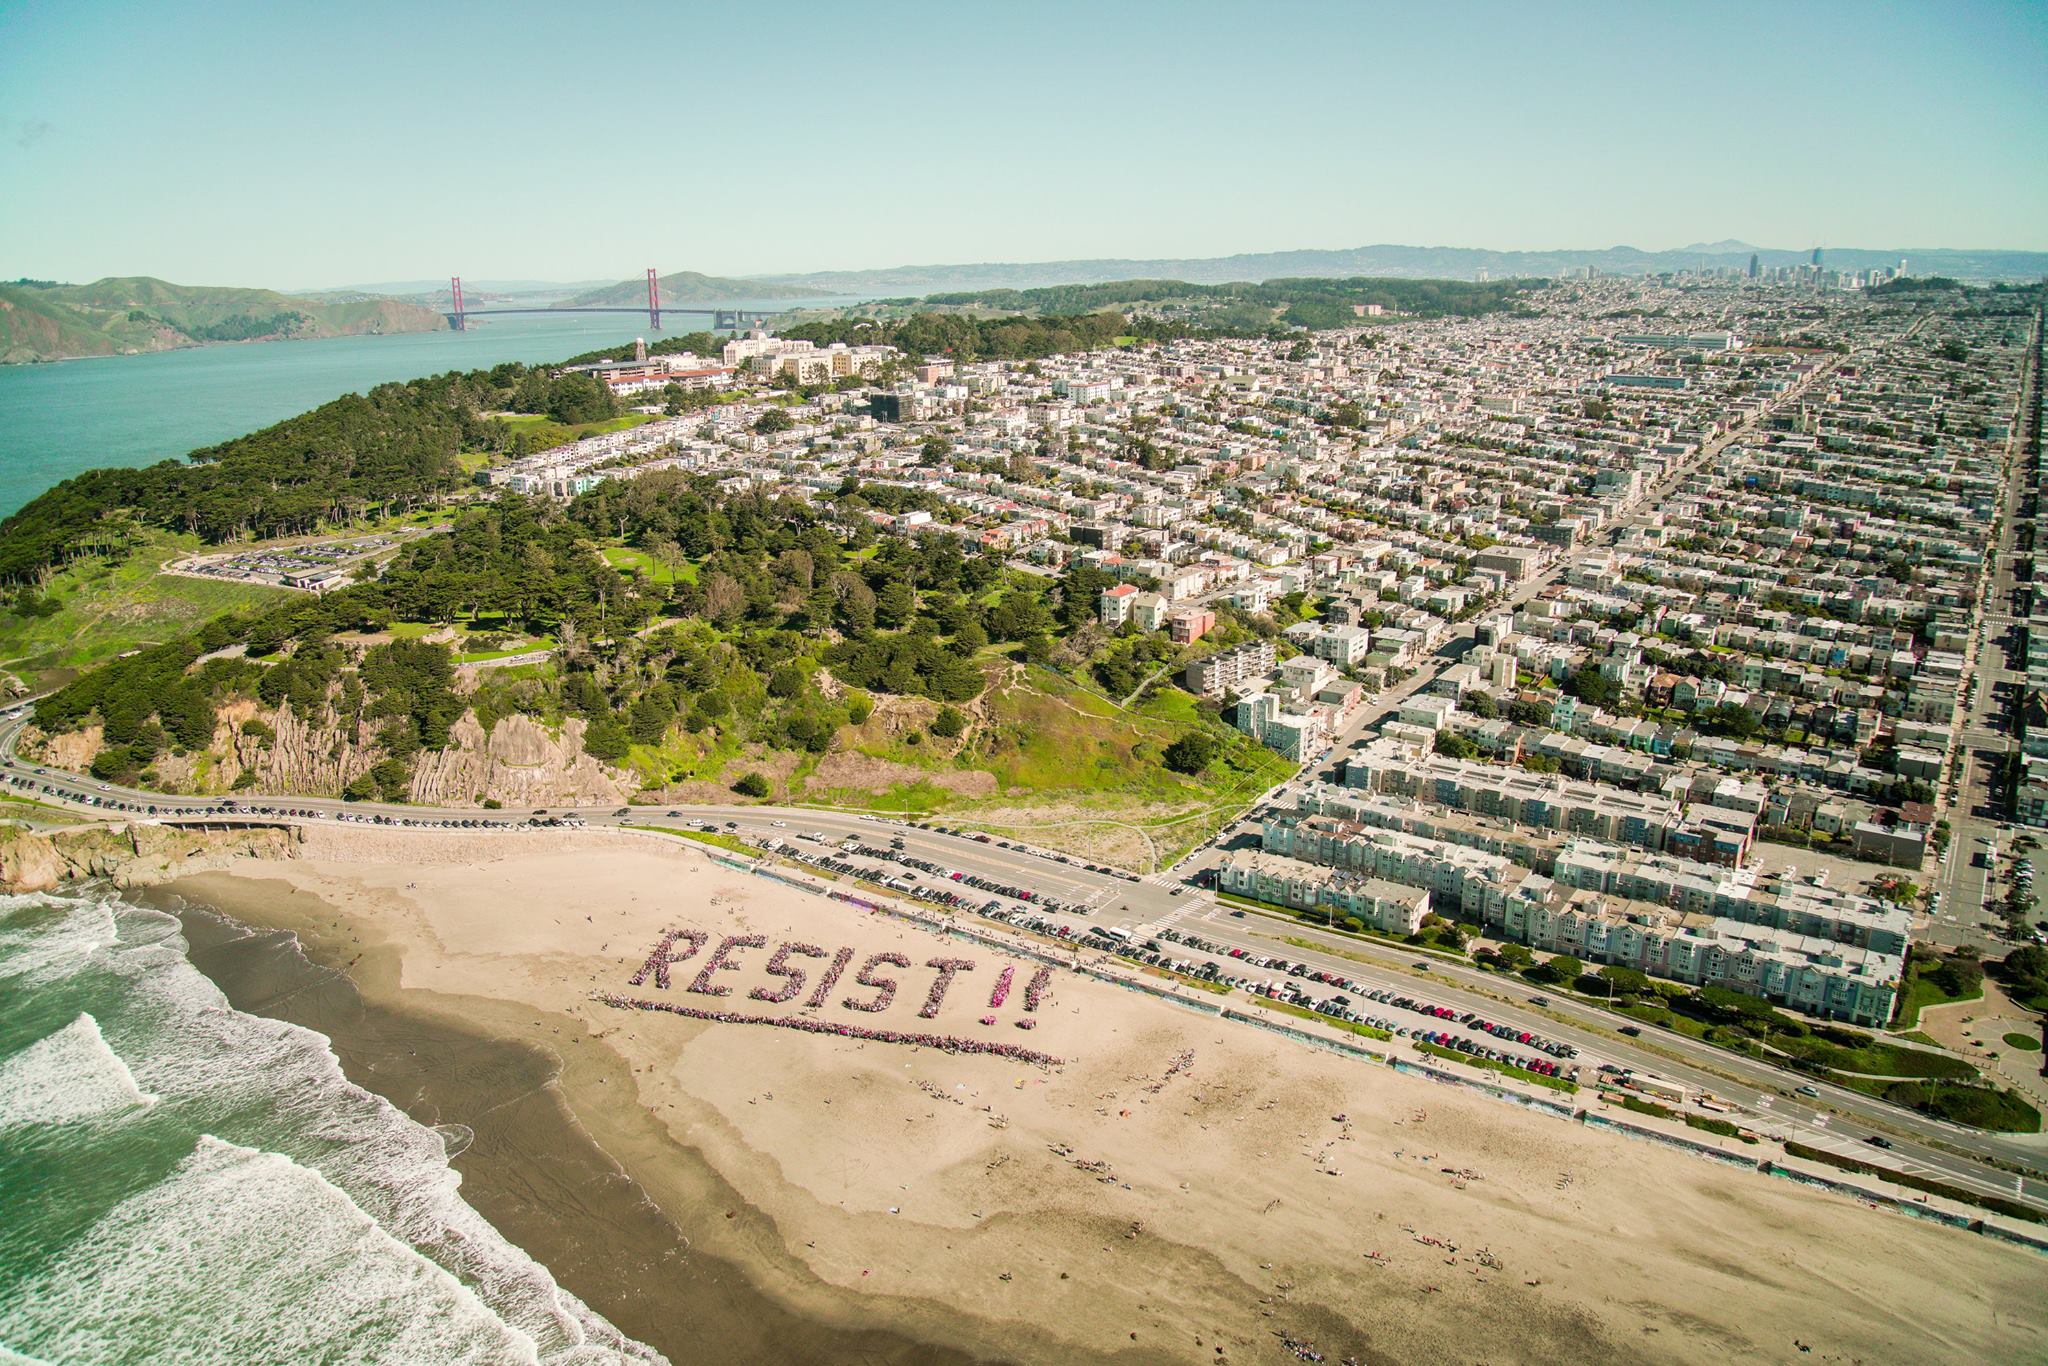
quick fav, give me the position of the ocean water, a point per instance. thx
(185, 1182)
(60, 419)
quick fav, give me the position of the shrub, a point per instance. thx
(1192, 753)
(751, 785)
(607, 741)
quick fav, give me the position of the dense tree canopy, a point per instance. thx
(388, 450)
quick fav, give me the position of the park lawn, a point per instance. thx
(486, 656)
(519, 645)
(2025, 1043)
(1977, 1106)
(106, 608)
(416, 519)
(1877, 1059)
(1922, 992)
(551, 433)
(626, 559)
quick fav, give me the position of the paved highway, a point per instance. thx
(1838, 1119)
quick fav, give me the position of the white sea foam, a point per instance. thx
(242, 1256)
(279, 1089)
(70, 1075)
(44, 939)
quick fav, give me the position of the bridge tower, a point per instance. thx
(455, 287)
(653, 300)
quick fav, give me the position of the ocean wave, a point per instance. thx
(241, 1255)
(71, 1075)
(45, 939)
(234, 1083)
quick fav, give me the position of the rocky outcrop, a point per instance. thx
(74, 749)
(312, 760)
(132, 856)
(518, 764)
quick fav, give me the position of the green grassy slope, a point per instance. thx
(139, 313)
(104, 608)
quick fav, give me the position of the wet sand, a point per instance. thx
(1178, 1189)
(527, 1165)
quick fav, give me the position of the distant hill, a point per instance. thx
(402, 289)
(688, 287)
(1442, 263)
(126, 315)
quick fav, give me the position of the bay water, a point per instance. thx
(63, 418)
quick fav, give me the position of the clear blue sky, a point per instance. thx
(309, 145)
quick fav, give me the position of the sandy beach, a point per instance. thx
(1174, 1188)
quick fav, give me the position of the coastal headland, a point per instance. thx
(1126, 1178)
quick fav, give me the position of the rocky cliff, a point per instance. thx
(518, 764)
(130, 856)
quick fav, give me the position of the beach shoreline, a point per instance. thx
(1181, 1189)
(537, 1165)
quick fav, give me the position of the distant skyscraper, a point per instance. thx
(1902, 267)
(1754, 266)
(1816, 255)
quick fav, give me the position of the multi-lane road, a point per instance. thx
(1837, 1118)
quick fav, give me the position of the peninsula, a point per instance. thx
(42, 320)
